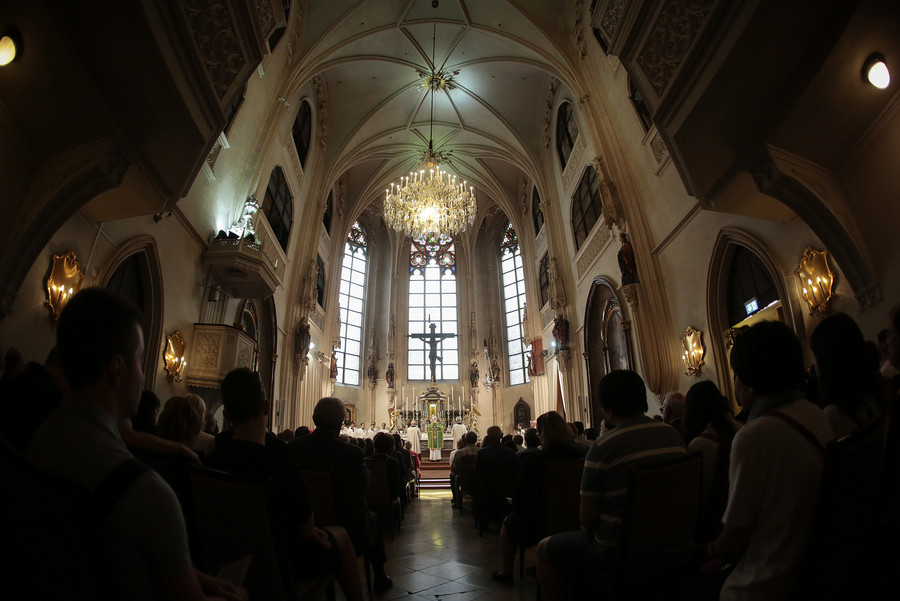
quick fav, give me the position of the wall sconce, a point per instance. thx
(875, 71)
(692, 343)
(816, 280)
(65, 280)
(174, 357)
(10, 46)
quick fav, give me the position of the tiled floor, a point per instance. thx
(439, 557)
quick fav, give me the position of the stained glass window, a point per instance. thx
(352, 302)
(513, 283)
(432, 299)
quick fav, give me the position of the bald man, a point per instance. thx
(672, 409)
(323, 450)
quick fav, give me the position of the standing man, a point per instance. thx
(435, 439)
(458, 431)
(412, 435)
(143, 536)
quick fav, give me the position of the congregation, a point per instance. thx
(759, 484)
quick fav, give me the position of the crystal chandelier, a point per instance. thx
(430, 200)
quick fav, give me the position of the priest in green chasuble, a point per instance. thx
(435, 432)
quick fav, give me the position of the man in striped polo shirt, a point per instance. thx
(632, 438)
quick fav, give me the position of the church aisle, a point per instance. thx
(439, 557)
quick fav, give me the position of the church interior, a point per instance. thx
(616, 186)
(646, 176)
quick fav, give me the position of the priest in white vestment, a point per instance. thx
(412, 435)
(458, 431)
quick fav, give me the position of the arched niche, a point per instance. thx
(522, 413)
(134, 273)
(607, 341)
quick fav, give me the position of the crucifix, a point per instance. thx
(432, 340)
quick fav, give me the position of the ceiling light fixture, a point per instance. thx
(875, 72)
(10, 47)
(430, 200)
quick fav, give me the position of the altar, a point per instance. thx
(432, 403)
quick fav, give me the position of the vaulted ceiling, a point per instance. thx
(370, 58)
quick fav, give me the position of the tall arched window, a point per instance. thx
(513, 281)
(566, 132)
(301, 131)
(586, 206)
(352, 302)
(536, 213)
(432, 299)
(278, 207)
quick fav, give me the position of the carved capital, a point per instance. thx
(630, 292)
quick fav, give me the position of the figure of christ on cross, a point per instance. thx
(432, 340)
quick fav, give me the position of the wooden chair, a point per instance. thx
(233, 518)
(561, 501)
(659, 525)
(378, 494)
(465, 480)
(846, 517)
(320, 492)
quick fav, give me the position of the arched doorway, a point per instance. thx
(606, 339)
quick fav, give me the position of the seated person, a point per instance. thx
(521, 525)
(709, 430)
(323, 450)
(469, 448)
(312, 552)
(632, 438)
(384, 445)
(776, 466)
(850, 388)
(493, 475)
(101, 348)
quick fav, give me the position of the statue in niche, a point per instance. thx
(627, 264)
(302, 338)
(495, 369)
(532, 370)
(561, 332)
(474, 375)
(389, 375)
(334, 371)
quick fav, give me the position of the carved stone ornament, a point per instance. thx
(670, 39)
(213, 29)
(592, 250)
(547, 116)
(563, 359)
(612, 16)
(578, 29)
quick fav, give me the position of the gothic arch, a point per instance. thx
(727, 243)
(144, 251)
(607, 341)
(266, 336)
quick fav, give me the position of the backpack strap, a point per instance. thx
(803, 430)
(114, 486)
